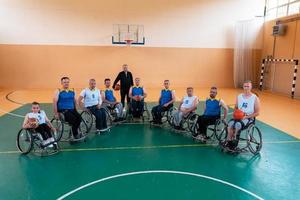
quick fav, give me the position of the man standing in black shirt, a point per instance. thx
(126, 81)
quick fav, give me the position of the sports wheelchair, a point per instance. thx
(64, 130)
(29, 140)
(90, 119)
(166, 116)
(214, 130)
(249, 138)
(187, 123)
(145, 116)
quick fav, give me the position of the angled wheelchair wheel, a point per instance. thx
(109, 118)
(146, 113)
(59, 126)
(220, 130)
(170, 115)
(88, 118)
(254, 139)
(83, 129)
(24, 141)
(192, 121)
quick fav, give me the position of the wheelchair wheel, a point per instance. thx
(24, 141)
(192, 121)
(170, 115)
(59, 126)
(109, 118)
(254, 139)
(220, 131)
(88, 118)
(83, 129)
(146, 113)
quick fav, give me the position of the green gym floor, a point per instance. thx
(136, 161)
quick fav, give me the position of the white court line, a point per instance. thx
(12, 114)
(157, 172)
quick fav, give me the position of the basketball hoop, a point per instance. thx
(128, 41)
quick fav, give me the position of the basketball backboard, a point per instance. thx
(130, 34)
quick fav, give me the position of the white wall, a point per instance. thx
(168, 23)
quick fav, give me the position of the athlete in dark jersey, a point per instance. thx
(166, 100)
(212, 112)
(65, 102)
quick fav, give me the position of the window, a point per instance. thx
(281, 8)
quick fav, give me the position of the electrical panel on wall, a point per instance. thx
(279, 30)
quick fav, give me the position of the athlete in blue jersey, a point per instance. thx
(137, 95)
(165, 102)
(212, 112)
(65, 102)
(111, 102)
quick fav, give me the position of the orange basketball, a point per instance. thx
(138, 98)
(117, 87)
(33, 122)
(238, 114)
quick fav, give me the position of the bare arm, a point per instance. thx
(225, 109)
(256, 109)
(49, 123)
(194, 107)
(80, 102)
(25, 122)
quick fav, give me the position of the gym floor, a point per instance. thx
(138, 161)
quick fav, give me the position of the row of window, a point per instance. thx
(281, 8)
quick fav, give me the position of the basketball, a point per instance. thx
(117, 87)
(33, 122)
(138, 98)
(238, 114)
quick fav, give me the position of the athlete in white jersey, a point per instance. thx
(91, 99)
(41, 124)
(187, 105)
(249, 103)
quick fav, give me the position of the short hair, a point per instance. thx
(125, 65)
(107, 79)
(92, 79)
(248, 81)
(190, 88)
(35, 103)
(166, 80)
(64, 78)
(213, 88)
(137, 78)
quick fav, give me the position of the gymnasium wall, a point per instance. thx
(190, 42)
(279, 77)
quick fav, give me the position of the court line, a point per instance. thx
(160, 172)
(9, 99)
(152, 147)
(12, 114)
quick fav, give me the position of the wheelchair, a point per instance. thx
(187, 123)
(145, 116)
(111, 110)
(249, 138)
(28, 140)
(214, 130)
(166, 116)
(64, 130)
(88, 117)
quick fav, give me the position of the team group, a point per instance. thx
(96, 101)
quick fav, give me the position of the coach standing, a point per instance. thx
(126, 81)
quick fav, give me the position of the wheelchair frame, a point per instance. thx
(34, 140)
(66, 135)
(249, 141)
